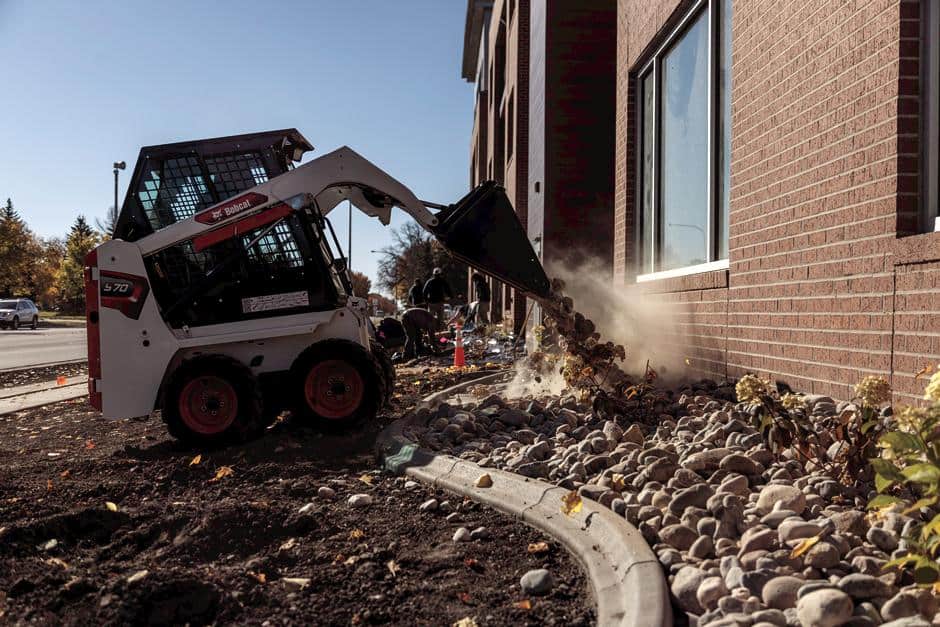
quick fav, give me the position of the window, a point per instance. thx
(930, 86)
(684, 143)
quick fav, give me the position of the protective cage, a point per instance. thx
(172, 182)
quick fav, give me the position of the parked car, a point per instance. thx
(17, 311)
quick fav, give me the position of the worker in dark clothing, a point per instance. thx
(417, 322)
(416, 294)
(436, 291)
(481, 291)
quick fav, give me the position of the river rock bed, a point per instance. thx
(721, 512)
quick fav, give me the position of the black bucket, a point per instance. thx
(483, 230)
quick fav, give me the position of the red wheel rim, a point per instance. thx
(208, 405)
(333, 389)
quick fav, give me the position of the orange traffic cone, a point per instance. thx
(459, 361)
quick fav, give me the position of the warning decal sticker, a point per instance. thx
(289, 300)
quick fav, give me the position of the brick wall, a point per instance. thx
(823, 286)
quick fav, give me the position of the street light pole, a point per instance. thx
(118, 165)
(349, 246)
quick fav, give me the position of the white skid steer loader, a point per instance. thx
(224, 298)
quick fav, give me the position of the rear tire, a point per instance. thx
(385, 369)
(213, 400)
(15, 325)
(35, 323)
(336, 385)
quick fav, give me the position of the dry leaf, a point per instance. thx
(351, 560)
(484, 481)
(224, 471)
(339, 558)
(296, 582)
(89, 444)
(571, 503)
(55, 561)
(467, 621)
(524, 604)
(618, 482)
(688, 362)
(804, 546)
(287, 546)
(111, 506)
(366, 479)
(259, 577)
(393, 567)
(925, 370)
(48, 484)
(65, 473)
(196, 460)
(537, 547)
(355, 534)
(464, 598)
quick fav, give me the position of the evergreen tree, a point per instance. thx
(14, 258)
(71, 281)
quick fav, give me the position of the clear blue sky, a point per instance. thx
(84, 84)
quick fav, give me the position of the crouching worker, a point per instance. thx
(417, 322)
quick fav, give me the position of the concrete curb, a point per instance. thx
(626, 578)
(38, 398)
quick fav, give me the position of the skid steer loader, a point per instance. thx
(224, 297)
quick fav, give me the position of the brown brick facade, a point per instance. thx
(826, 282)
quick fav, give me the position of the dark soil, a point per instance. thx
(26, 376)
(220, 551)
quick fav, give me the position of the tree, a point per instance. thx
(14, 257)
(43, 274)
(386, 305)
(70, 281)
(107, 225)
(414, 255)
(361, 284)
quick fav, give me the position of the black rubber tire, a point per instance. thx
(15, 325)
(364, 364)
(35, 323)
(249, 421)
(386, 370)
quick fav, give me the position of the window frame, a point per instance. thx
(653, 65)
(930, 128)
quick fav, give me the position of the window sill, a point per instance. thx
(921, 248)
(712, 275)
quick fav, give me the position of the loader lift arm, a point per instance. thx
(481, 229)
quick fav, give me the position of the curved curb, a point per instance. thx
(625, 576)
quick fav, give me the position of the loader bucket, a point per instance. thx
(482, 230)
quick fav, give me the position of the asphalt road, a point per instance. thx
(25, 347)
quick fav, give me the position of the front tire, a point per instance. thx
(386, 370)
(336, 385)
(15, 325)
(213, 400)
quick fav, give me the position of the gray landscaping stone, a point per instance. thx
(685, 588)
(780, 592)
(862, 587)
(824, 608)
(781, 497)
(537, 582)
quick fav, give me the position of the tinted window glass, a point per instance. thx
(684, 184)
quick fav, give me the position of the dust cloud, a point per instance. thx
(622, 314)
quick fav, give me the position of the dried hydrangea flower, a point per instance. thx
(750, 389)
(932, 391)
(793, 401)
(873, 391)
